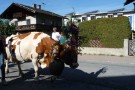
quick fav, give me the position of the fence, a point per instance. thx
(107, 51)
(131, 47)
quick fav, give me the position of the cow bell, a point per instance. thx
(56, 67)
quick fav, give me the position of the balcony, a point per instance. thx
(29, 27)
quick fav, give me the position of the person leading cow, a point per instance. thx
(3, 56)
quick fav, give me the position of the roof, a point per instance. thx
(128, 2)
(95, 11)
(122, 10)
(117, 10)
(32, 10)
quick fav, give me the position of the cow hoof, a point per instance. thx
(36, 79)
(22, 75)
(7, 71)
(53, 78)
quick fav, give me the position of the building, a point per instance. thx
(97, 14)
(31, 18)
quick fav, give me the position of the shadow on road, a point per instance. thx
(71, 79)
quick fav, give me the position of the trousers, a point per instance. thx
(2, 67)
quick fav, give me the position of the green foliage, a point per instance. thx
(65, 30)
(6, 29)
(110, 31)
(1, 25)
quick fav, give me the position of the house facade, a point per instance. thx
(31, 18)
(77, 18)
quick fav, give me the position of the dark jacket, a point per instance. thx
(2, 46)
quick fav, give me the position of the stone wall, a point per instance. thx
(107, 51)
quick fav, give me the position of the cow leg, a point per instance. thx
(6, 67)
(35, 64)
(20, 70)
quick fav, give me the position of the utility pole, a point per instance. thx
(73, 13)
(73, 10)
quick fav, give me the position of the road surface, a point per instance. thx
(93, 73)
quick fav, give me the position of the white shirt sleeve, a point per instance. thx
(56, 36)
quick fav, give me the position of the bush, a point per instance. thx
(110, 31)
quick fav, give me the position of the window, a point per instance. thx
(110, 16)
(28, 21)
(120, 15)
(93, 17)
(84, 18)
(59, 23)
(16, 23)
(48, 21)
(43, 21)
(78, 20)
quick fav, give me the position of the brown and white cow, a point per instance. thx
(35, 46)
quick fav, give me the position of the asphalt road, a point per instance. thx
(93, 73)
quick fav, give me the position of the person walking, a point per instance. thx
(3, 56)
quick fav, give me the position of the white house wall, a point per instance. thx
(129, 14)
(80, 18)
(21, 23)
(132, 20)
(115, 15)
(97, 17)
(24, 22)
(32, 19)
(13, 21)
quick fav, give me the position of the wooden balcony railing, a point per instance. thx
(30, 27)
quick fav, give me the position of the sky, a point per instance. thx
(63, 7)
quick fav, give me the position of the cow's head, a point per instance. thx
(69, 54)
(48, 51)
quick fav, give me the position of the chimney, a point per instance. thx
(34, 6)
(39, 7)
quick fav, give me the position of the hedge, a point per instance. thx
(110, 31)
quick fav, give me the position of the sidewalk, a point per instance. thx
(128, 60)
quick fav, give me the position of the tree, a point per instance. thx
(1, 26)
(6, 29)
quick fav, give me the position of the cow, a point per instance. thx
(38, 47)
